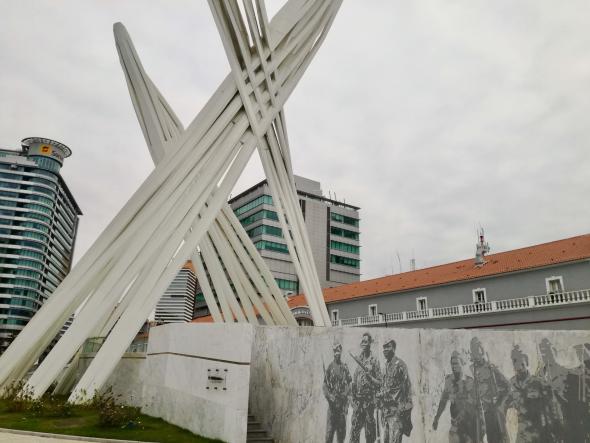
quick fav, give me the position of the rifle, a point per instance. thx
(480, 415)
(327, 382)
(366, 370)
(378, 417)
(499, 403)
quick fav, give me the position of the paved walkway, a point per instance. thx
(14, 436)
(6, 437)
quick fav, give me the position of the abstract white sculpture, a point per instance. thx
(182, 205)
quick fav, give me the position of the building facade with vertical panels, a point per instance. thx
(332, 226)
(177, 303)
(38, 225)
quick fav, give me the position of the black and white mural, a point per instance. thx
(387, 385)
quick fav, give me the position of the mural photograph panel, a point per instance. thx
(368, 386)
(354, 385)
(523, 387)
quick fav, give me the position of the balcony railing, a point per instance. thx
(514, 304)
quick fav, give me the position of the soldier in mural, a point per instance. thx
(395, 397)
(532, 399)
(556, 376)
(336, 388)
(365, 384)
(459, 389)
(491, 390)
(577, 395)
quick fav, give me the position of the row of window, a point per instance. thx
(352, 262)
(272, 246)
(46, 163)
(344, 219)
(28, 177)
(18, 312)
(22, 292)
(19, 302)
(553, 284)
(263, 199)
(265, 229)
(21, 262)
(13, 321)
(344, 247)
(344, 233)
(22, 187)
(287, 285)
(22, 282)
(263, 213)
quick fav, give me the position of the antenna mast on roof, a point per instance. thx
(481, 249)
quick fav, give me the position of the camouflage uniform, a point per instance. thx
(532, 399)
(395, 399)
(577, 413)
(555, 377)
(461, 393)
(337, 381)
(363, 399)
(491, 389)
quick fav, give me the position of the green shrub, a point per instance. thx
(18, 396)
(111, 413)
(58, 406)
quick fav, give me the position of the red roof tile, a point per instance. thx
(560, 251)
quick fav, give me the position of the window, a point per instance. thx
(479, 296)
(344, 233)
(344, 219)
(422, 304)
(264, 213)
(263, 199)
(344, 247)
(46, 163)
(334, 314)
(272, 246)
(372, 310)
(336, 259)
(554, 284)
(288, 285)
(265, 229)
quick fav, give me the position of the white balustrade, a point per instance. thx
(513, 304)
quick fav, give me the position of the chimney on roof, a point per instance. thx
(412, 264)
(481, 249)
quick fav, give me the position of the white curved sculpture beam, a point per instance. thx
(178, 207)
(160, 125)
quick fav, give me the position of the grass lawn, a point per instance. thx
(84, 422)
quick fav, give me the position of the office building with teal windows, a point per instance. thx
(332, 225)
(38, 225)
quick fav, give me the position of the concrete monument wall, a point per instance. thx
(300, 393)
(196, 377)
(126, 381)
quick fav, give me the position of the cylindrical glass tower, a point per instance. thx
(38, 225)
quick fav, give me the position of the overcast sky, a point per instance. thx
(434, 117)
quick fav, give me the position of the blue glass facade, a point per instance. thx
(38, 225)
